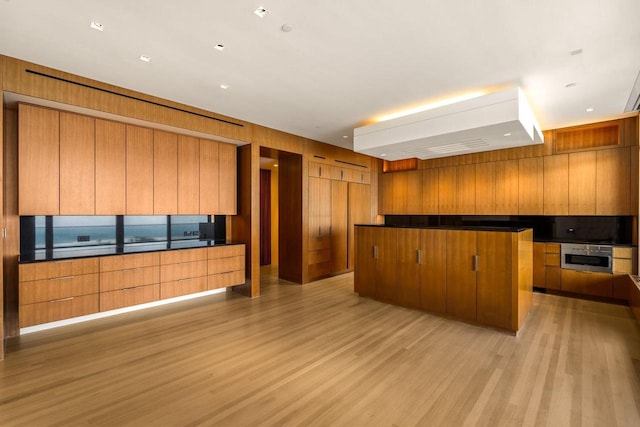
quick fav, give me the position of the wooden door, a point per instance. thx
(461, 274)
(38, 161)
(530, 186)
(339, 226)
(494, 276)
(447, 190)
(413, 192)
(430, 191)
(386, 268)
(433, 270)
(385, 190)
(111, 174)
(507, 187)
(228, 193)
(165, 173)
(188, 175)
(209, 179)
(77, 164)
(556, 185)
(408, 267)
(486, 188)
(319, 207)
(613, 182)
(582, 183)
(466, 194)
(359, 213)
(365, 261)
(139, 170)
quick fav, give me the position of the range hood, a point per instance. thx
(488, 122)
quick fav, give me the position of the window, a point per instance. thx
(74, 231)
(145, 229)
(186, 227)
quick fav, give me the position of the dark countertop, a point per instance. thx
(604, 243)
(40, 255)
(450, 227)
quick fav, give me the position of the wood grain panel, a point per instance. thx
(227, 179)
(430, 185)
(183, 287)
(130, 261)
(413, 192)
(128, 278)
(386, 265)
(385, 189)
(408, 267)
(52, 311)
(613, 178)
(209, 177)
(165, 173)
(54, 269)
(494, 286)
(433, 270)
(224, 280)
(530, 186)
(183, 255)
(58, 288)
(587, 283)
(291, 239)
(466, 194)
(111, 173)
(339, 225)
(552, 278)
(359, 213)
(507, 187)
(139, 171)
(538, 264)
(77, 164)
(225, 251)
(39, 161)
(399, 193)
(485, 190)
(596, 135)
(365, 263)
(225, 265)
(447, 190)
(128, 297)
(556, 185)
(183, 270)
(461, 277)
(188, 175)
(582, 183)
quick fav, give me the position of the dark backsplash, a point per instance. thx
(589, 229)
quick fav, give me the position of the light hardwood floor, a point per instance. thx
(319, 355)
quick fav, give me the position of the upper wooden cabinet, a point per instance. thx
(530, 186)
(209, 178)
(139, 170)
(466, 194)
(556, 185)
(486, 188)
(165, 173)
(507, 186)
(385, 189)
(430, 191)
(111, 174)
(38, 159)
(413, 192)
(188, 175)
(582, 183)
(77, 164)
(447, 190)
(227, 179)
(613, 182)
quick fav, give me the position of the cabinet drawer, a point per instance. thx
(623, 265)
(114, 280)
(185, 270)
(183, 255)
(183, 287)
(622, 252)
(319, 170)
(587, 283)
(126, 262)
(52, 269)
(225, 265)
(225, 251)
(58, 288)
(360, 177)
(322, 242)
(316, 257)
(129, 296)
(552, 260)
(552, 278)
(340, 174)
(224, 280)
(320, 269)
(51, 311)
(552, 248)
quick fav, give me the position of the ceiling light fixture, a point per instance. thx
(219, 47)
(96, 26)
(224, 86)
(570, 85)
(430, 106)
(589, 110)
(261, 12)
(145, 58)
(286, 28)
(507, 134)
(345, 136)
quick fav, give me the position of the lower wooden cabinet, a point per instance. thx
(225, 266)
(60, 309)
(587, 283)
(129, 296)
(183, 287)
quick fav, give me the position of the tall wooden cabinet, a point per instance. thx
(140, 158)
(111, 174)
(77, 164)
(165, 173)
(319, 227)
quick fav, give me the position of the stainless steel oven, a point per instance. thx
(584, 257)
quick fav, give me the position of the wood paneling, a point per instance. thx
(447, 190)
(51, 311)
(494, 279)
(530, 186)
(466, 194)
(386, 255)
(39, 160)
(385, 182)
(582, 183)
(433, 270)
(588, 136)
(613, 182)
(77, 164)
(111, 174)
(209, 178)
(538, 264)
(127, 278)
(359, 213)
(290, 207)
(55, 269)
(228, 194)
(461, 276)
(399, 193)
(485, 188)
(556, 185)
(339, 226)
(507, 187)
(365, 261)
(408, 268)
(58, 288)
(413, 193)
(430, 185)
(587, 283)
(139, 171)
(165, 173)
(129, 296)
(183, 287)
(189, 175)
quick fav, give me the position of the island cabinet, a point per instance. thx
(484, 277)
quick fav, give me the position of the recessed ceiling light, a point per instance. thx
(275, 165)
(590, 109)
(507, 134)
(219, 47)
(261, 12)
(224, 86)
(383, 155)
(576, 52)
(145, 58)
(345, 136)
(570, 85)
(96, 26)
(286, 28)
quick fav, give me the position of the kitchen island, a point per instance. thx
(482, 275)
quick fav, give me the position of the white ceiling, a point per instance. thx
(345, 62)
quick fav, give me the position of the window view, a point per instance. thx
(40, 232)
(145, 229)
(73, 231)
(186, 227)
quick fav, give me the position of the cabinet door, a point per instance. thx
(365, 261)
(359, 213)
(188, 175)
(386, 269)
(408, 267)
(77, 164)
(319, 207)
(433, 270)
(38, 161)
(139, 171)
(447, 190)
(486, 188)
(385, 189)
(227, 203)
(461, 275)
(466, 194)
(613, 181)
(430, 191)
(413, 193)
(587, 283)
(507, 187)
(399, 193)
(582, 183)
(556, 185)
(530, 186)
(339, 224)
(538, 265)
(165, 173)
(209, 178)
(494, 290)
(111, 175)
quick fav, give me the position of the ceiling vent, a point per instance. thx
(489, 122)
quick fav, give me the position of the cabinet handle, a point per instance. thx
(131, 269)
(62, 299)
(130, 288)
(475, 263)
(184, 279)
(320, 171)
(419, 256)
(341, 175)
(375, 252)
(62, 278)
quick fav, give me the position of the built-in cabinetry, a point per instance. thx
(480, 276)
(338, 199)
(71, 164)
(57, 290)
